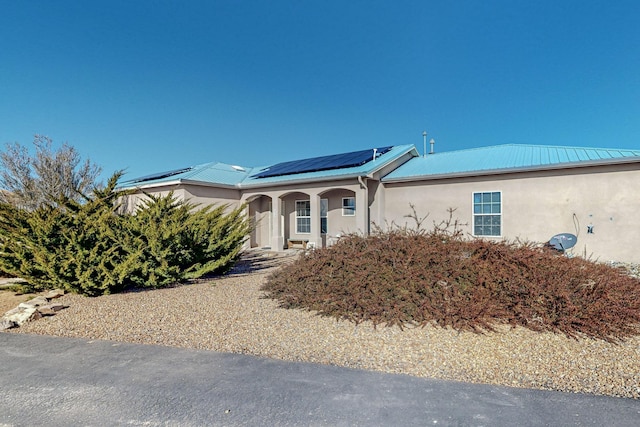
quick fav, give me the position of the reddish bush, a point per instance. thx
(401, 277)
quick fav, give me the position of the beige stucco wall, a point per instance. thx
(538, 205)
(205, 195)
(260, 217)
(196, 194)
(133, 201)
(337, 223)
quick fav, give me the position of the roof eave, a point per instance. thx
(243, 186)
(152, 185)
(209, 184)
(181, 182)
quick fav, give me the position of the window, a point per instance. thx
(348, 206)
(303, 216)
(324, 208)
(487, 214)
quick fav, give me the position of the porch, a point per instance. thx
(305, 219)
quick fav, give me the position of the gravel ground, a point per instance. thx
(228, 314)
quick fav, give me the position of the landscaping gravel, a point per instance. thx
(230, 314)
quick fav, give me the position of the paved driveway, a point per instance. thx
(61, 382)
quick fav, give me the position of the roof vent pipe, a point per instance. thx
(375, 150)
(432, 142)
(424, 137)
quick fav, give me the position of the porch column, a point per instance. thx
(314, 238)
(277, 241)
(247, 243)
(362, 211)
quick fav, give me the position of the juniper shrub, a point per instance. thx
(88, 248)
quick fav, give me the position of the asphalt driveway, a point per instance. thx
(61, 382)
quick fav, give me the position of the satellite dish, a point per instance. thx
(563, 241)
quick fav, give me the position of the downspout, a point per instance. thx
(363, 184)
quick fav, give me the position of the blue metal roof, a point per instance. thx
(505, 158)
(215, 172)
(241, 177)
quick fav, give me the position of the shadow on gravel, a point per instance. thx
(251, 261)
(257, 260)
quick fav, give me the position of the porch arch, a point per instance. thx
(340, 219)
(260, 215)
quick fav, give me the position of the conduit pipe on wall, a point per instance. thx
(363, 184)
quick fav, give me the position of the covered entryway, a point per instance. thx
(303, 218)
(260, 211)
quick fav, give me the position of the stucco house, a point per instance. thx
(526, 192)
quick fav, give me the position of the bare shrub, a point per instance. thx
(405, 276)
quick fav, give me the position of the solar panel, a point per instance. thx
(316, 164)
(161, 175)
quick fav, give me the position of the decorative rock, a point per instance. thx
(7, 324)
(56, 293)
(35, 302)
(22, 314)
(50, 309)
(32, 310)
(54, 307)
(25, 305)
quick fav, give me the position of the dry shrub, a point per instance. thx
(402, 277)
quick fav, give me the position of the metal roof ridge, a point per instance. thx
(524, 145)
(197, 168)
(404, 149)
(547, 146)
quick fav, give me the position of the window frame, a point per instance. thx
(486, 210)
(324, 215)
(347, 207)
(303, 217)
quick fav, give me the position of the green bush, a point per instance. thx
(88, 248)
(168, 241)
(403, 277)
(70, 246)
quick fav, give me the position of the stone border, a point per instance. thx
(32, 310)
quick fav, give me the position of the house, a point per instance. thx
(526, 192)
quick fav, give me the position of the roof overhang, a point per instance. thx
(180, 182)
(315, 180)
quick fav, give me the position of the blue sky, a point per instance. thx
(149, 86)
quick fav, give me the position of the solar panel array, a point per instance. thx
(316, 164)
(161, 175)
